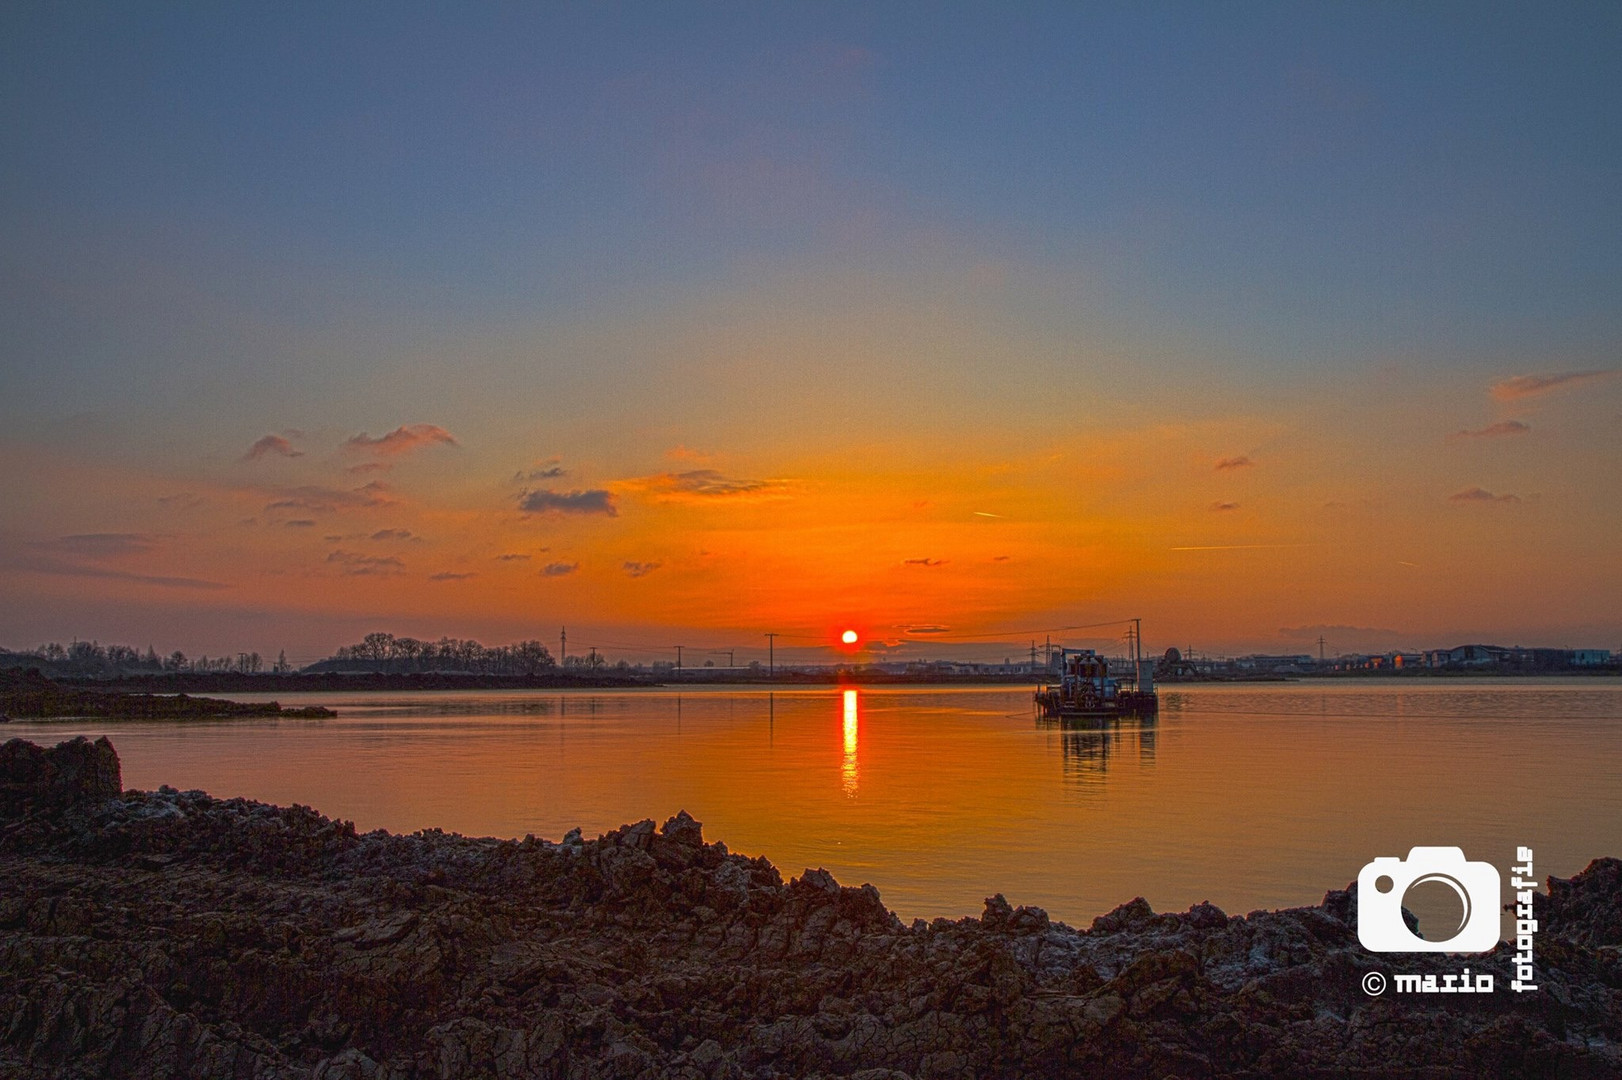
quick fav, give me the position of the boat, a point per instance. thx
(1086, 691)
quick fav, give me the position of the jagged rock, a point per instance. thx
(170, 934)
(55, 778)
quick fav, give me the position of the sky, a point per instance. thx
(952, 324)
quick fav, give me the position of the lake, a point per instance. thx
(1249, 796)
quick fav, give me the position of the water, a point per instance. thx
(1251, 797)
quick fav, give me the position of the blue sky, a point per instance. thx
(608, 232)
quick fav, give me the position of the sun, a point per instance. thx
(848, 637)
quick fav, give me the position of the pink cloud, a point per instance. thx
(1525, 386)
(271, 445)
(1493, 431)
(402, 439)
(1481, 495)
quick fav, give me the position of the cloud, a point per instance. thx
(324, 500)
(356, 565)
(66, 569)
(1525, 386)
(1493, 431)
(271, 445)
(593, 501)
(1001, 558)
(640, 569)
(1481, 495)
(1223, 507)
(511, 556)
(923, 562)
(550, 469)
(183, 500)
(982, 513)
(927, 628)
(558, 569)
(402, 439)
(299, 523)
(1240, 462)
(394, 534)
(449, 576)
(698, 484)
(370, 467)
(100, 545)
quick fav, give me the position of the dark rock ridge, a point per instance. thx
(171, 934)
(29, 694)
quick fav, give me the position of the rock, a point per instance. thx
(684, 830)
(171, 934)
(32, 777)
(818, 880)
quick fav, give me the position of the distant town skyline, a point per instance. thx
(697, 323)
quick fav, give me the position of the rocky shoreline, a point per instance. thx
(171, 934)
(28, 695)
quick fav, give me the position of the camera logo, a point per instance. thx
(1382, 884)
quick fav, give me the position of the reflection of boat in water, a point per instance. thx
(1085, 690)
(1090, 746)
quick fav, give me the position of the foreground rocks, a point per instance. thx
(170, 934)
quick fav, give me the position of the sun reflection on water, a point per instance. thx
(848, 769)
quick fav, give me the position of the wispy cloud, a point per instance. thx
(592, 501)
(1481, 495)
(550, 469)
(354, 564)
(100, 545)
(923, 562)
(1240, 462)
(448, 575)
(558, 569)
(271, 446)
(103, 573)
(298, 523)
(1525, 386)
(512, 556)
(324, 500)
(402, 439)
(1233, 547)
(1493, 431)
(1223, 507)
(983, 513)
(926, 628)
(394, 534)
(702, 484)
(640, 569)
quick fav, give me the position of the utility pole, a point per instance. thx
(679, 648)
(1320, 648)
(1137, 638)
(563, 645)
(771, 655)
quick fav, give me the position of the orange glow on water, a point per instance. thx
(852, 730)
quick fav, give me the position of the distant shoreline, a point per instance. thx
(350, 682)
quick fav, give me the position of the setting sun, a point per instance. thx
(848, 637)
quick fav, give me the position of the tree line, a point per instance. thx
(386, 652)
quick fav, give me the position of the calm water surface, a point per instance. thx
(1247, 796)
